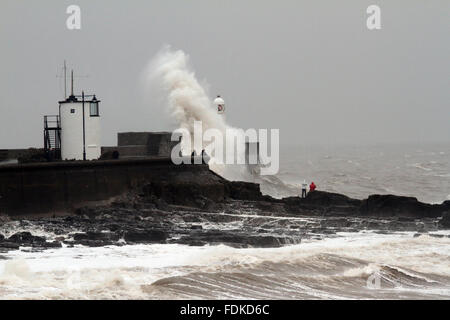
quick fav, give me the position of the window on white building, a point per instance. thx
(94, 109)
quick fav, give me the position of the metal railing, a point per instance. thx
(52, 137)
(51, 122)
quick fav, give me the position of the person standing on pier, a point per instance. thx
(304, 188)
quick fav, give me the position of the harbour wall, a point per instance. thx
(142, 144)
(56, 188)
(10, 154)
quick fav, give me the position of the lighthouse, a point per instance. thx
(219, 103)
(74, 134)
(80, 128)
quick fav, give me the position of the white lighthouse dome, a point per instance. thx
(219, 103)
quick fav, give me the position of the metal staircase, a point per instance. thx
(52, 137)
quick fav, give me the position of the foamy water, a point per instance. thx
(334, 268)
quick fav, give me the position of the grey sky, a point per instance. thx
(309, 68)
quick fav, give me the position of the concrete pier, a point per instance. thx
(60, 187)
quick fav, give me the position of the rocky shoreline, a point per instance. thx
(207, 209)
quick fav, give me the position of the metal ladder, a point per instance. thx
(52, 137)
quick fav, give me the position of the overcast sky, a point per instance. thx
(310, 68)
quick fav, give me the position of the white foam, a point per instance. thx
(112, 272)
(187, 100)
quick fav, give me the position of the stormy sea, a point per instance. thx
(351, 260)
(248, 246)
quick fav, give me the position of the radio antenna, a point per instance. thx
(65, 80)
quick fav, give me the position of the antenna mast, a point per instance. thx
(65, 80)
(71, 80)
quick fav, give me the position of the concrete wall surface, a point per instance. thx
(59, 187)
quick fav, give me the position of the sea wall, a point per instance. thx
(10, 154)
(60, 187)
(142, 144)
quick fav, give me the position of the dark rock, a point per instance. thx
(25, 237)
(336, 222)
(446, 205)
(53, 244)
(406, 219)
(69, 219)
(196, 227)
(97, 236)
(196, 243)
(436, 235)
(9, 245)
(373, 225)
(397, 206)
(191, 218)
(233, 238)
(186, 188)
(322, 198)
(95, 243)
(382, 232)
(79, 236)
(266, 241)
(161, 205)
(114, 227)
(445, 221)
(4, 218)
(244, 191)
(202, 202)
(421, 227)
(145, 236)
(87, 212)
(119, 204)
(322, 203)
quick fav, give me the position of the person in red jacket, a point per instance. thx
(312, 187)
